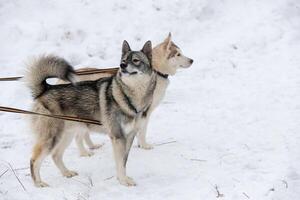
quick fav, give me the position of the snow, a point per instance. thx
(233, 116)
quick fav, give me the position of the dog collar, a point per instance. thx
(162, 75)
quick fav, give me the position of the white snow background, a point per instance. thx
(232, 118)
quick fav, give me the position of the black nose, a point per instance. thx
(191, 61)
(123, 65)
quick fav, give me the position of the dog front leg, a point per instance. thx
(121, 147)
(142, 135)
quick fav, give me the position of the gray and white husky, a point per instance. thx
(120, 102)
(167, 58)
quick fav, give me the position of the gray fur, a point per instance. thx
(46, 67)
(119, 102)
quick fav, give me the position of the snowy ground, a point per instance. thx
(234, 114)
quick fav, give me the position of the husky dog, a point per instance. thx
(119, 102)
(166, 59)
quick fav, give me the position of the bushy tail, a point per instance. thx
(47, 67)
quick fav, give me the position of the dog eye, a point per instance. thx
(178, 54)
(135, 60)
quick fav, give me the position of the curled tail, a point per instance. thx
(47, 67)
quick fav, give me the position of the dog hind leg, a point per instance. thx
(40, 152)
(90, 143)
(79, 141)
(58, 151)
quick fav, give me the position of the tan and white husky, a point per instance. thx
(166, 59)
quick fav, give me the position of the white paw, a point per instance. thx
(96, 146)
(41, 184)
(127, 181)
(86, 154)
(70, 174)
(145, 146)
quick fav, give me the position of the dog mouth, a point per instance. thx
(124, 71)
(185, 66)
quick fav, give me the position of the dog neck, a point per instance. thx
(166, 76)
(160, 64)
(136, 99)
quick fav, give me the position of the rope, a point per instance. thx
(78, 72)
(63, 117)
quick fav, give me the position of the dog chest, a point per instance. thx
(159, 91)
(128, 126)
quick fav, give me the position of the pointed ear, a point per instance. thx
(147, 50)
(125, 47)
(169, 38)
(168, 41)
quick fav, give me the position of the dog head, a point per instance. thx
(167, 57)
(135, 64)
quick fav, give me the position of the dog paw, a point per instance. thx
(127, 181)
(96, 146)
(145, 146)
(86, 154)
(70, 174)
(41, 184)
